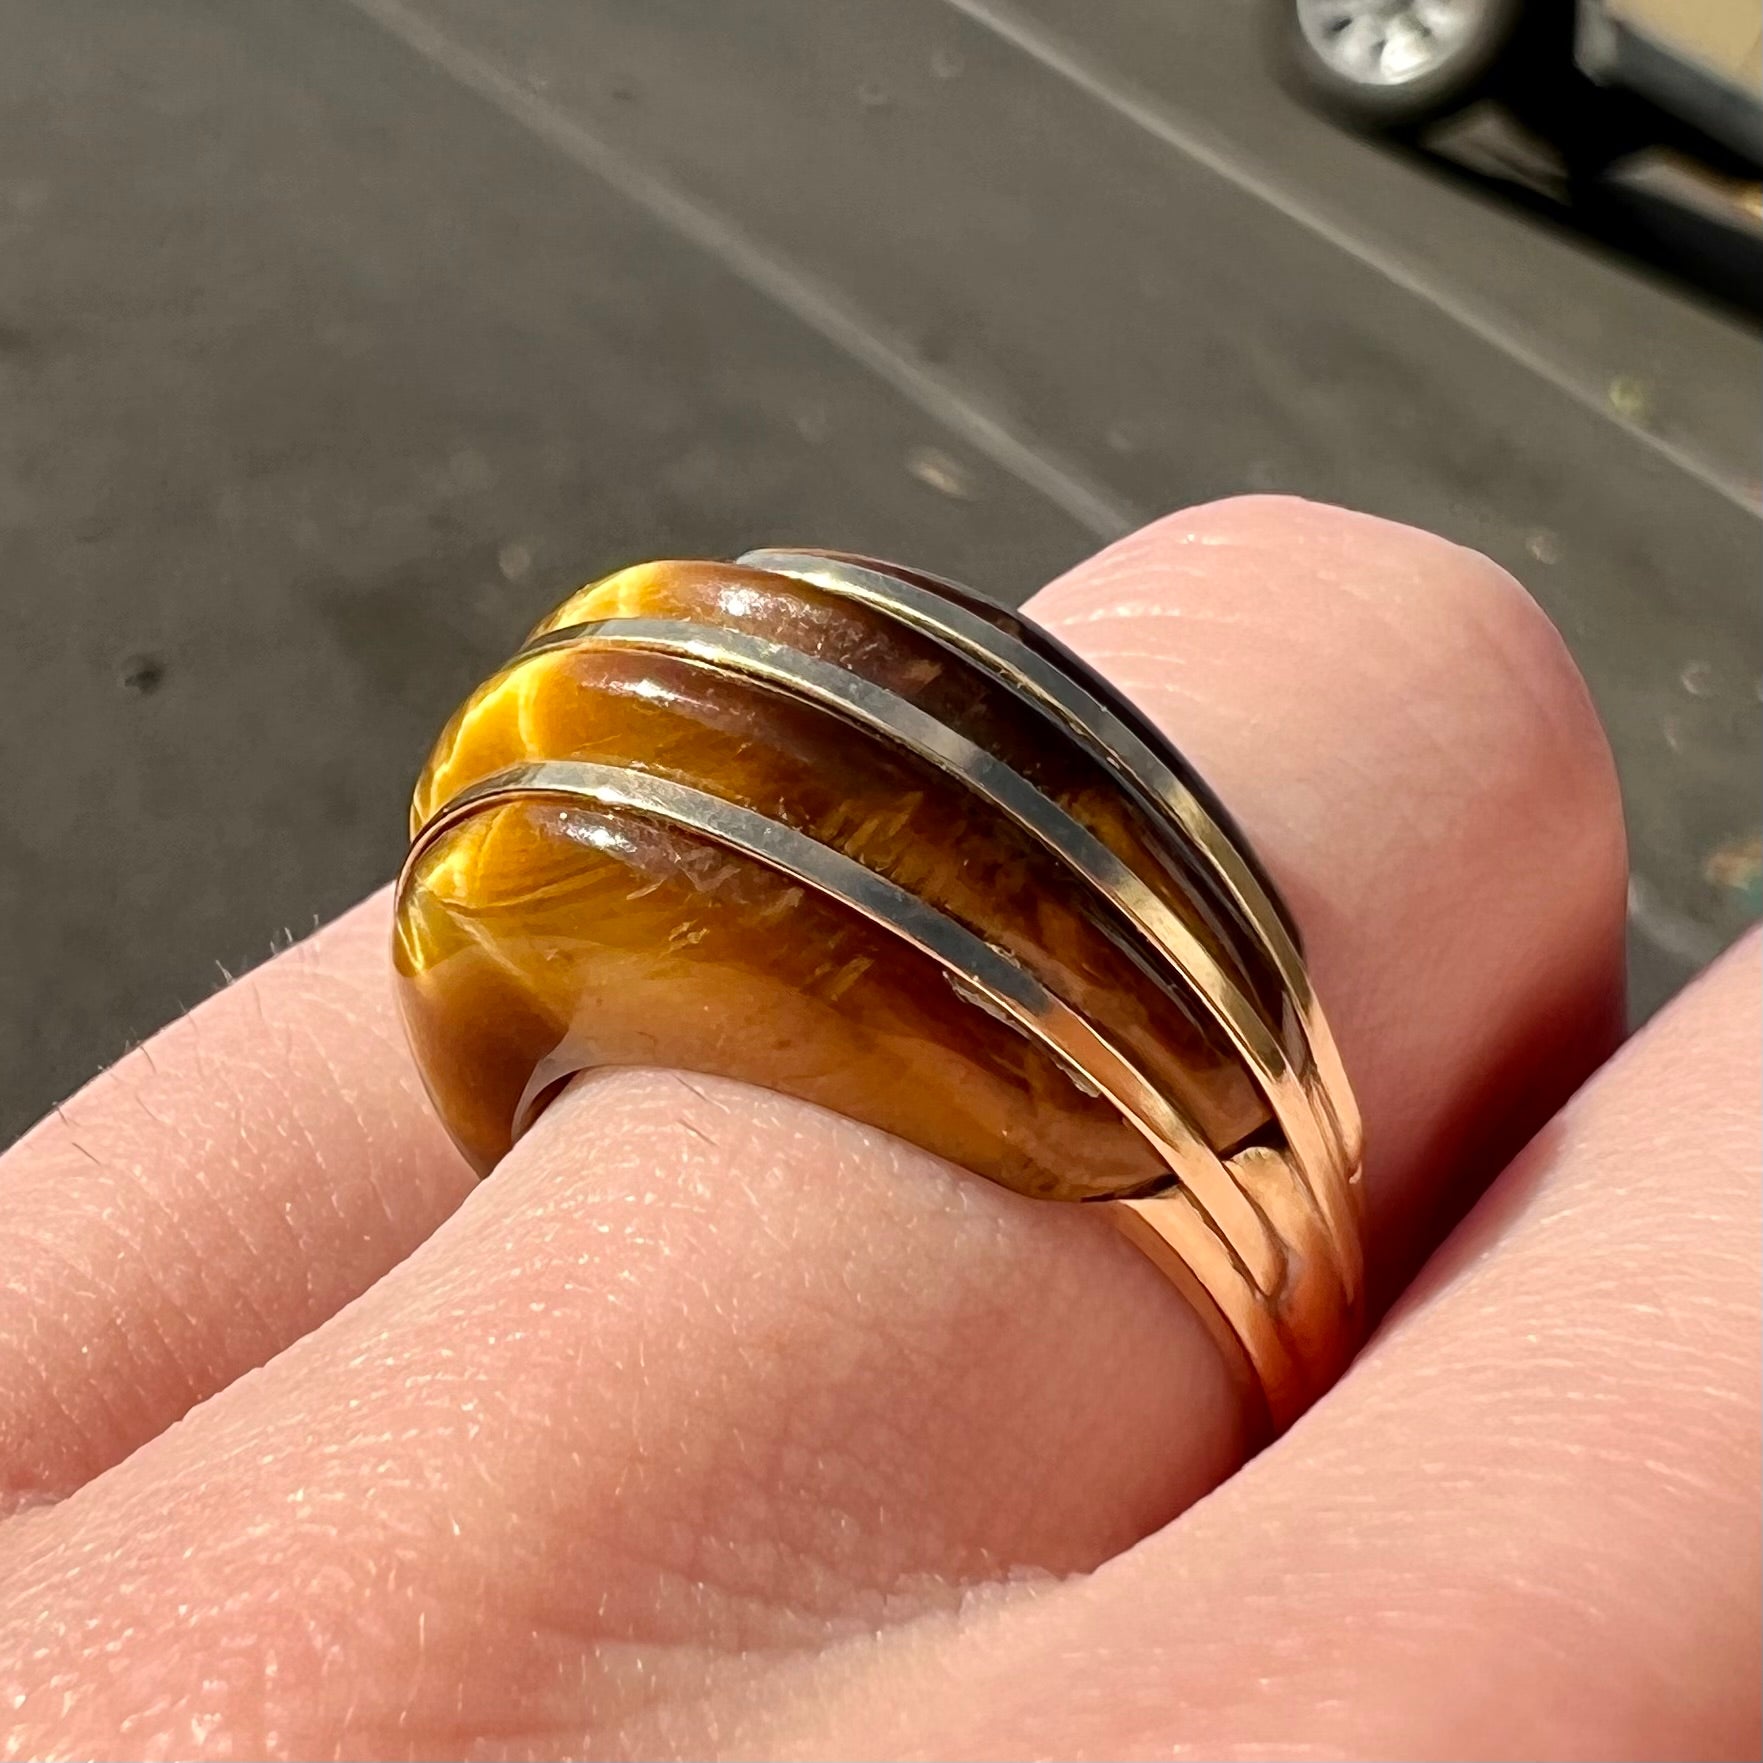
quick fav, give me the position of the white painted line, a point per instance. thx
(1092, 505)
(1157, 120)
(1675, 933)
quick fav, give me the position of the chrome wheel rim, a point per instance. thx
(1389, 42)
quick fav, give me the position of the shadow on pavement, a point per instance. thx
(1673, 221)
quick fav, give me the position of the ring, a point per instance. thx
(856, 834)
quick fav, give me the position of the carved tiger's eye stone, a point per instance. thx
(543, 938)
(805, 617)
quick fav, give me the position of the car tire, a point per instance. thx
(1502, 40)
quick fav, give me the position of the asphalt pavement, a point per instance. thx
(338, 340)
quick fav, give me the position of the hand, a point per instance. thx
(716, 1425)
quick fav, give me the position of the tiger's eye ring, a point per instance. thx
(856, 834)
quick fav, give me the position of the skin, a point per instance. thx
(716, 1425)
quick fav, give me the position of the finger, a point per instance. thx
(1527, 1526)
(259, 1164)
(217, 1193)
(709, 1371)
(1390, 711)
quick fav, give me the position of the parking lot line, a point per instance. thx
(1092, 505)
(1145, 112)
